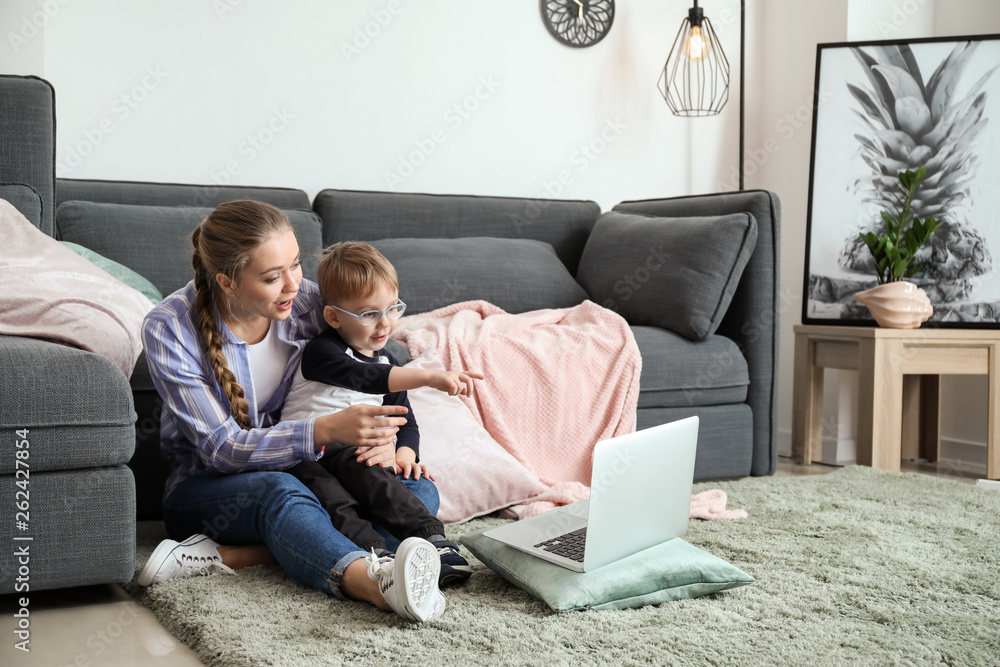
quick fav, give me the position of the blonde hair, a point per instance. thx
(225, 243)
(350, 269)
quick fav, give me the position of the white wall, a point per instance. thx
(436, 95)
(788, 37)
(24, 27)
(783, 86)
(179, 92)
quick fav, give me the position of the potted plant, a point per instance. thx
(895, 302)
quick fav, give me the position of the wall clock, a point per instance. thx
(578, 23)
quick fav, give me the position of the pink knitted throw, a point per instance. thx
(557, 382)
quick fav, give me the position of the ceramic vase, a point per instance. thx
(898, 305)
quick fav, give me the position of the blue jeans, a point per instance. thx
(275, 509)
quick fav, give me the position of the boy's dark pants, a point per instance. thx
(356, 495)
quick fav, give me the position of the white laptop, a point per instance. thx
(640, 496)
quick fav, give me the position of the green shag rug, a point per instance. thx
(856, 566)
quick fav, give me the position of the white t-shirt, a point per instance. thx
(308, 398)
(268, 361)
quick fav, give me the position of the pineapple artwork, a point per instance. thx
(902, 120)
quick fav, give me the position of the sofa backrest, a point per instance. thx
(519, 254)
(28, 147)
(355, 215)
(147, 226)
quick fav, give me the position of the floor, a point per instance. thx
(102, 626)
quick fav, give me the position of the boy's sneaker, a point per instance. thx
(196, 556)
(409, 581)
(454, 568)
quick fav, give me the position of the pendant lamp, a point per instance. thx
(695, 79)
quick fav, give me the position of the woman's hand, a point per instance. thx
(363, 426)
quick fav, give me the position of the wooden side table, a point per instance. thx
(899, 388)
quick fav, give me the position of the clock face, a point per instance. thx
(578, 23)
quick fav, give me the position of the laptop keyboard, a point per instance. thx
(569, 545)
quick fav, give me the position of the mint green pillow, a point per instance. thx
(674, 570)
(122, 273)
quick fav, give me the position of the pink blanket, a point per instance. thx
(48, 291)
(557, 381)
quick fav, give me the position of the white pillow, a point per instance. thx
(48, 291)
(473, 473)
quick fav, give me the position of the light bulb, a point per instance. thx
(697, 45)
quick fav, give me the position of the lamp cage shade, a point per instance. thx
(695, 78)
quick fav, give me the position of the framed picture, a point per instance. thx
(887, 106)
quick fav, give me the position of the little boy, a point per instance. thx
(346, 365)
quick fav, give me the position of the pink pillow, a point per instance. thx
(48, 291)
(473, 473)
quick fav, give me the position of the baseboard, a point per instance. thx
(962, 455)
(991, 484)
(784, 442)
(785, 449)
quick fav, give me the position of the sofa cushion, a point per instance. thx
(677, 372)
(155, 241)
(352, 215)
(725, 437)
(672, 570)
(517, 275)
(122, 273)
(84, 418)
(675, 273)
(82, 529)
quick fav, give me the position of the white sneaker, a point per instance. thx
(195, 556)
(439, 606)
(409, 581)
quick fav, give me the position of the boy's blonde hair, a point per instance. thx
(351, 269)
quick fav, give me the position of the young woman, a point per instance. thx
(222, 353)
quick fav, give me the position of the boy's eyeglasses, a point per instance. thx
(372, 317)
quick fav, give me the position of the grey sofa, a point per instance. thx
(518, 253)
